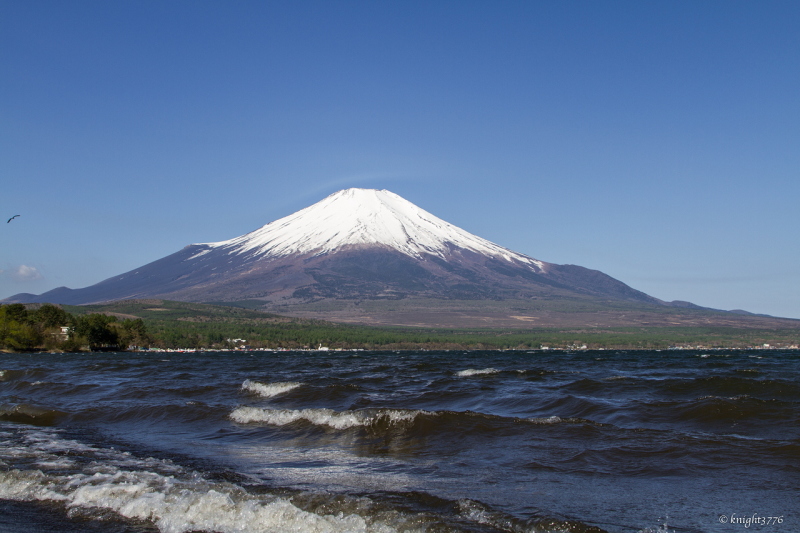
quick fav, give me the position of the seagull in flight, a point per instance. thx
(12, 218)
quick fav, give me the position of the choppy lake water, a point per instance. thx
(405, 441)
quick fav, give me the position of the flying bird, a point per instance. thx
(12, 218)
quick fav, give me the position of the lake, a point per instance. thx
(616, 441)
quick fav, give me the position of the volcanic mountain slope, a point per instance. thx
(354, 244)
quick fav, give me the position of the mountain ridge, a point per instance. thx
(355, 244)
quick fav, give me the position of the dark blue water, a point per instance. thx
(406, 441)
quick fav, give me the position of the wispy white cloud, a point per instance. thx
(26, 273)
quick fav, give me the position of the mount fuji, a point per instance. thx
(355, 244)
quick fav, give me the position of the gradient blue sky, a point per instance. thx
(658, 142)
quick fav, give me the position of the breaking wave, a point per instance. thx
(268, 390)
(326, 417)
(173, 499)
(419, 423)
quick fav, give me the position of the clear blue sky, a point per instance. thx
(658, 142)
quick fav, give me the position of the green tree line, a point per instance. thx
(51, 328)
(171, 325)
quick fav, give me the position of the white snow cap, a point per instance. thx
(364, 217)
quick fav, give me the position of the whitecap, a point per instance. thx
(473, 372)
(268, 390)
(324, 417)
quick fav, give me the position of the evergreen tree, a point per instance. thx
(98, 332)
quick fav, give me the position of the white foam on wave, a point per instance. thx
(268, 390)
(473, 372)
(546, 420)
(174, 506)
(52, 464)
(173, 499)
(324, 417)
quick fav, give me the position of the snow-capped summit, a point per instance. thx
(354, 217)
